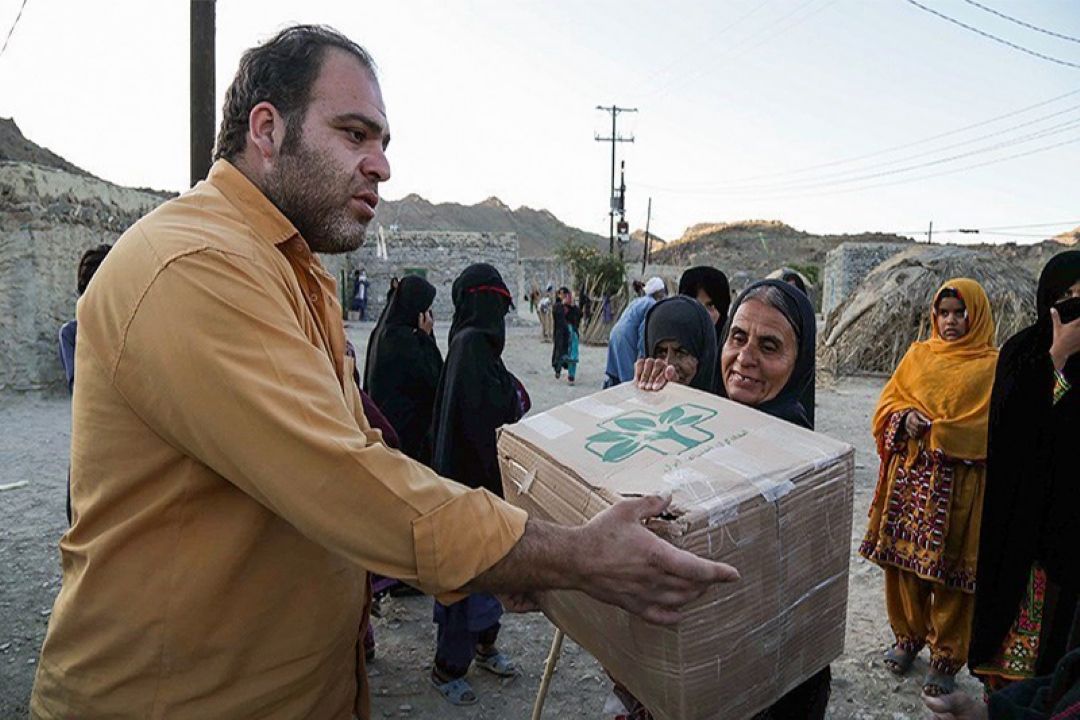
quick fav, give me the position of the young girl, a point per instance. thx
(930, 426)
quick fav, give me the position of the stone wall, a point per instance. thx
(48, 218)
(847, 265)
(438, 256)
(539, 272)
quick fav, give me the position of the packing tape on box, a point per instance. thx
(681, 475)
(594, 408)
(548, 425)
(529, 475)
(773, 490)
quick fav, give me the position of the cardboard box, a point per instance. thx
(770, 498)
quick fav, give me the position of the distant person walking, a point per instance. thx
(360, 293)
(566, 323)
(626, 342)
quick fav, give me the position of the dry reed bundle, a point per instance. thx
(873, 327)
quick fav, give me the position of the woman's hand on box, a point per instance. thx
(653, 374)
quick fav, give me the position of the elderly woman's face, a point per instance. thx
(684, 362)
(759, 355)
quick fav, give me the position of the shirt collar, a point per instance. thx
(260, 214)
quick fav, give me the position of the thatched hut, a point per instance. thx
(872, 328)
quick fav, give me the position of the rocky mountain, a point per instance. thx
(539, 232)
(1071, 237)
(14, 147)
(757, 247)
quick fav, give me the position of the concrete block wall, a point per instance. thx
(847, 265)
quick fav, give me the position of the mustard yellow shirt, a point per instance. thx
(228, 494)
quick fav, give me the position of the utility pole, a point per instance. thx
(615, 138)
(645, 252)
(930, 234)
(202, 88)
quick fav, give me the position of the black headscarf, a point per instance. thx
(794, 402)
(686, 321)
(793, 278)
(715, 284)
(1031, 511)
(476, 394)
(403, 366)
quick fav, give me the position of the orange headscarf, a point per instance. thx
(948, 382)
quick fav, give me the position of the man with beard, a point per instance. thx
(229, 495)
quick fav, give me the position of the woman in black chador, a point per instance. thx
(476, 396)
(403, 365)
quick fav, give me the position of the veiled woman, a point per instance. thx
(766, 361)
(930, 426)
(403, 365)
(476, 396)
(1029, 571)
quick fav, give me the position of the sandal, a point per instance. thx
(457, 691)
(899, 660)
(938, 683)
(498, 664)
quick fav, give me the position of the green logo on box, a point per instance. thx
(671, 432)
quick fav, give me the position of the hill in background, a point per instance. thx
(539, 232)
(757, 247)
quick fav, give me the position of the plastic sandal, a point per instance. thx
(938, 683)
(498, 664)
(899, 661)
(457, 691)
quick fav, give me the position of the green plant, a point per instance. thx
(810, 272)
(598, 273)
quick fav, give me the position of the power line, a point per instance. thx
(902, 146)
(12, 30)
(995, 38)
(666, 70)
(1021, 23)
(841, 174)
(842, 191)
(686, 78)
(814, 183)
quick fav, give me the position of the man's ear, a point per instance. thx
(266, 130)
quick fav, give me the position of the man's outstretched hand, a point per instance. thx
(622, 563)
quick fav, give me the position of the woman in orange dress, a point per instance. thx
(931, 427)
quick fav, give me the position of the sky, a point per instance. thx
(830, 115)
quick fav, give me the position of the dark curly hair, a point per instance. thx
(281, 72)
(88, 265)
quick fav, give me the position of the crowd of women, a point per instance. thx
(976, 511)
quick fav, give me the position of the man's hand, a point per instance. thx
(525, 602)
(613, 558)
(622, 563)
(916, 424)
(956, 706)
(652, 374)
(1066, 341)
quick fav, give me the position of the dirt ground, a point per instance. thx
(34, 437)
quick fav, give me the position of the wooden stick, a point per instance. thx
(549, 670)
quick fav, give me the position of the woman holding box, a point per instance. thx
(767, 362)
(930, 426)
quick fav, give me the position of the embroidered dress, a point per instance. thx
(925, 516)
